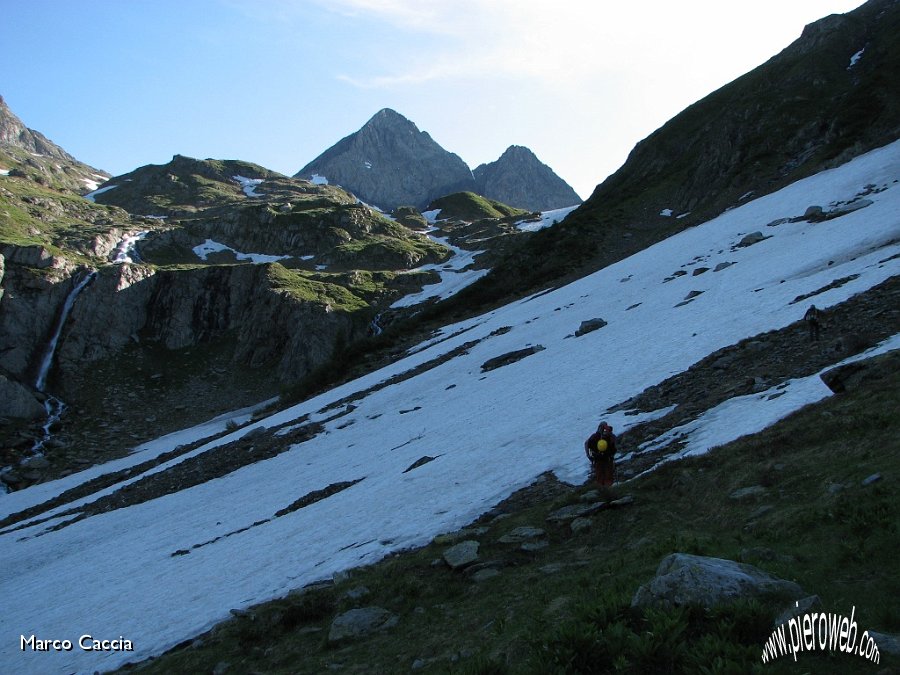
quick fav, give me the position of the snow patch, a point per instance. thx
(855, 58)
(126, 251)
(91, 195)
(4, 172)
(547, 219)
(667, 213)
(209, 246)
(249, 185)
(318, 180)
(431, 216)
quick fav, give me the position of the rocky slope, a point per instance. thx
(390, 163)
(25, 152)
(520, 179)
(827, 97)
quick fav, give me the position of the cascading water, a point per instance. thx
(53, 405)
(375, 326)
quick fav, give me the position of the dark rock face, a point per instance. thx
(519, 179)
(390, 163)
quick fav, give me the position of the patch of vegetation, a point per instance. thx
(469, 206)
(300, 285)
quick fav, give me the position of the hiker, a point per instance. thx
(600, 448)
(812, 320)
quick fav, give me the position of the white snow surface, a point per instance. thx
(454, 275)
(547, 219)
(114, 574)
(90, 195)
(318, 180)
(209, 246)
(667, 213)
(4, 172)
(855, 58)
(249, 185)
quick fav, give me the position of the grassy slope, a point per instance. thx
(837, 544)
(469, 206)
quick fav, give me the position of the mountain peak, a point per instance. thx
(389, 162)
(520, 179)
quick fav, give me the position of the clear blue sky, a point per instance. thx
(124, 83)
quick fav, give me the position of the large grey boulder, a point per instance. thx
(463, 554)
(358, 623)
(684, 579)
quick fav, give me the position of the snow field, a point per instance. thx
(492, 433)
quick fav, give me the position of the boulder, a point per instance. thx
(358, 623)
(589, 326)
(750, 239)
(574, 511)
(521, 534)
(462, 554)
(684, 579)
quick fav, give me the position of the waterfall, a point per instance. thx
(50, 351)
(53, 405)
(375, 326)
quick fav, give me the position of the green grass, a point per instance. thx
(838, 545)
(470, 207)
(300, 285)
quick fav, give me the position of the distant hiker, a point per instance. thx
(600, 448)
(812, 321)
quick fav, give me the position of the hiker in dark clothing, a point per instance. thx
(812, 321)
(600, 448)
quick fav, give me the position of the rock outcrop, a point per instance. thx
(390, 163)
(520, 179)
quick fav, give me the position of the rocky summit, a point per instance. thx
(520, 179)
(25, 152)
(390, 163)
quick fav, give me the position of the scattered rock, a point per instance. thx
(580, 525)
(533, 546)
(814, 212)
(589, 326)
(510, 357)
(751, 492)
(574, 511)
(760, 512)
(751, 239)
(358, 623)
(722, 265)
(627, 500)
(521, 534)
(462, 554)
(459, 535)
(700, 270)
(484, 574)
(683, 579)
(419, 462)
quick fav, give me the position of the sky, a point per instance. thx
(124, 84)
(115, 574)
